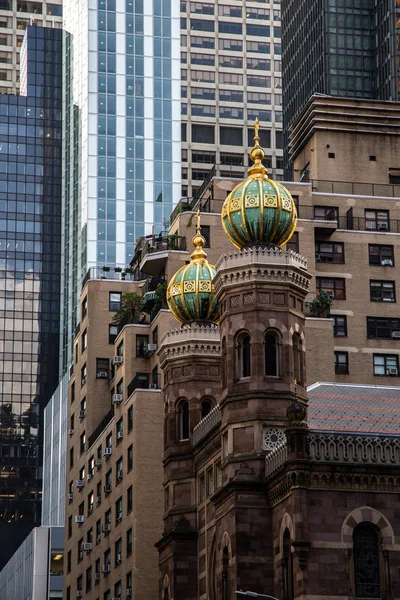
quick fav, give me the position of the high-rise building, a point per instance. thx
(337, 48)
(231, 74)
(15, 17)
(30, 223)
(122, 135)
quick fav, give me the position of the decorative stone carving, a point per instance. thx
(177, 372)
(201, 370)
(235, 301)
(264, 298)
(292, 301)
(273, 437)
(187, 370)
(213, 370)
(247, 299)
(279, 299)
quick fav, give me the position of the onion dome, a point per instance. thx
(190, 293)
(259, 211)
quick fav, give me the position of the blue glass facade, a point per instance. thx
(30, 217)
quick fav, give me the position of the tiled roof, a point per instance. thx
(354, 409)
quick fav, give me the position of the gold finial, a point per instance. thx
(257, 155)
(256, 128)
(198, 241)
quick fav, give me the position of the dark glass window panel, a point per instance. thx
(366, 562)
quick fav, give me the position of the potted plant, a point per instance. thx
(117, 269)
(106, 269)
(131, 307)
(173, 241)
(320, 306)
(160, 297)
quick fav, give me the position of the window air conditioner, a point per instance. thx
(387, 262)
(70, 431)
(107, 488)
(80, 483)
(117, 360)
(90, 476)
(79, 593)
(97, 576)
(392, 371)
(79, 518)
(151, 347)
(107, 451)
(87, 547)
(102, 375)
(383, 225)
(153, 386)
(70, 497)
(396, 335)
(105, 568)
(82, 414)
(97, 462)
(116, 398)
(106, 528)
(120, 435)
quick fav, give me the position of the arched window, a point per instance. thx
(166, 594)
(287, 567)
(225, 574)
(206, 406)
(297, 370)
(244, 356)
(271, 355)
(183, 413)
(366, 562)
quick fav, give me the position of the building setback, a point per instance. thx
(30, 216)
(337, 48)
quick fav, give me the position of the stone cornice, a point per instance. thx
(262, 265)
(195, 341)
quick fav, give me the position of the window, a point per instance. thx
(339, 325)
(71, 457)
(258, 47)
(129, 542)
(69, 561)
(231, 136)
(386, 364)
(341, 363)
(72, 392)
(332, 252)
(118, 511)
(381, 328)
(203, 110)
(210, 482)
(271, 355)
(293, 243)
(202, 59)
(129, 499)
(84, 308)
(381, 255)
(334, 286)
(82, 443)
(129, 580)
(102, 366)
(118, 466)
(326, 213)
(231, 96)
(218, 475)
(259, 98)
(69, 526)
(203, 134)
(203, 94)
(225, 574)
(130, 458)
(244, 355)
(130, 418)
(82, 413)
(258, 30)
(112, 333)
(108, 478)
(297, 363)
(287, 567)
(230, 62)
(115, 301)
(84, 340)
(258, 81)
(118, 585)
(230, 112)
(201, 25)
(230, 27)
(88, 579)
(377, 220)
(331, 155)
(206, 407)
(382, 291)
(142, 342)
(79, 583)
(366, 562)
(83, 375)
(202, 488)
(197, 41)
(230, 11)
(201, 8)
(233, 44)
(183, 418)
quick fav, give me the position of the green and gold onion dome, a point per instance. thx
(259, 211)
(190, 293)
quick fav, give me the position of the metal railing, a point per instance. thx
(152, 284)
(160, 243)
(144, 381)
(101, 426)
(207, 424)
(99, 273)
(355, 189)
(372, 225)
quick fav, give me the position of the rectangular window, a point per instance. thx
(115, 301)
(382, 291)
(381, 255)
(210, 482)
(201, 8)
(341, 363)
(201, 25)
(231, 96)
(386, 364)
(339, 325)
(197, 41)
(377, 220)
(129, 499)
(258, 98)
(332, 252)
(230, 62)
(231, 136)
(258, 81)
(202, 488)
(82, 443)
(259, 64)
(326, 213)
(203, 94)
(130, 418)
(258, 30)
(84, 340)
(381, 328)
(233, 44)
(129, 542)
(142, 341)
(293, 243)
(112, 333)
(118, 467)
(334, 286)
(230, 27)
(202, 59)
(72, 392)
(130, 457)
(258, 47)
(203, 134)
(231, 78)
(118, 511)
(102, 368)
(83, 375)
(84, 308)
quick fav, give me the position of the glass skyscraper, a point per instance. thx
(122, 135)
(30, 227)
(340, 48)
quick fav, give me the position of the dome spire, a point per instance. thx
(198, 242)
(257, 155)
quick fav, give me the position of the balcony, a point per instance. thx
(355, 189)
(207, 424)
(150, 287)
(151, 252)
(112, 274)
(144, 381)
